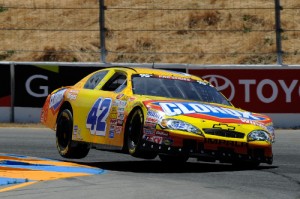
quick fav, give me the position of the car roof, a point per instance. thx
(152, 71)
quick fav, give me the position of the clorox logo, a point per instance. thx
(184, 108)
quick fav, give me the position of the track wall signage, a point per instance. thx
(34, 83)
(273, 90)
(5, 93)
(258, 90)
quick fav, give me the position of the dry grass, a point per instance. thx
(190, 32)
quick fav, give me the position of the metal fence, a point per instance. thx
(155, 31)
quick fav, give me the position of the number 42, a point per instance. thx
(96, 120)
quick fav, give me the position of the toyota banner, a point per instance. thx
(258, 90)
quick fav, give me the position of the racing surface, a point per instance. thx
(128, 177)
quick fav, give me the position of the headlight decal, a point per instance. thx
(259, 135)
(179, 125)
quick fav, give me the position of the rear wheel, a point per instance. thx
(134, 133)
(65, 146)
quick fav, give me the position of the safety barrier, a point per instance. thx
(272, 89)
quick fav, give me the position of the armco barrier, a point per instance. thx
(273, 90)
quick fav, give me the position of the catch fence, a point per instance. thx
(202, 32)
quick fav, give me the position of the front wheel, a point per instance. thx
(65, 146)
(134, 133)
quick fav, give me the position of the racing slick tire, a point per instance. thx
(133, 135)
(65, 146)
(170, 159)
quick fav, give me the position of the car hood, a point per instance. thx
(207, 111)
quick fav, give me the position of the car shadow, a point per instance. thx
(156, 166)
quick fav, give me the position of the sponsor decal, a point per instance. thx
(120, 116)
(175, 78)
(225, 142)
(151, 120)
(114, 109)
(56, 99)
(256, 123)
(224, 127)
(118, 129)
(120, 122)
(149, 131)
(131, 99)
(150, 125)
(72, 94)
(121, 103)
(184, 108)
(75, 129)
(155, 139)
(153, 116)
(119, 96)
(113, 121)
(121, 110)
(113, 115)
(76, 133)
(145, 75)
(112, 127)
(111, 134)
(162, 133)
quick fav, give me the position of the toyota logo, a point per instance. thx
(221, 83)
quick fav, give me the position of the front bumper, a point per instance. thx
(208, 152)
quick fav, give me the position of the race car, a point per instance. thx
(150, 112)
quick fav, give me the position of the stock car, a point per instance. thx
(150, 112)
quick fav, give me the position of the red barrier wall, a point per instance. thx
(257, 90)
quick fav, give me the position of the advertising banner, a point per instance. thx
(33, 83)
(257, 90)
(5, 95)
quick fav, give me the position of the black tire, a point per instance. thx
(170, 159)
(134, 133)
(65, 146)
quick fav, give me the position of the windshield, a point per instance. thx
(172, 87)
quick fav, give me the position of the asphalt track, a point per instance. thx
(127, 177)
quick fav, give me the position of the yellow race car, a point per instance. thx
(149, 112)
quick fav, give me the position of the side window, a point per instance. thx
(116, 83)
(94, 80)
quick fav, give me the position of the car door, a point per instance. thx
(96, 115)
